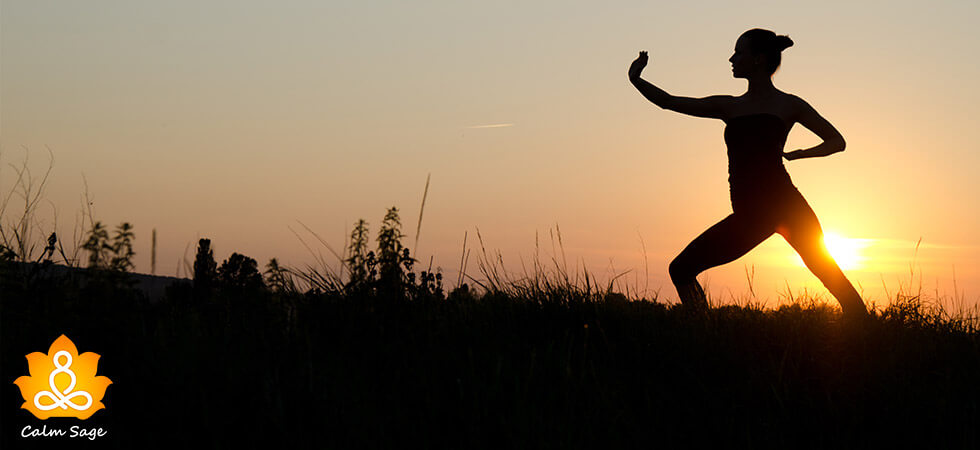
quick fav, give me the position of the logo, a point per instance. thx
(62, 382)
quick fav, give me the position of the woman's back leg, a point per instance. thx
(723, 243)
(803, 232)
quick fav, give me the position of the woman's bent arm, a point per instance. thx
(714, 106)
(833, 141)
(824, 149)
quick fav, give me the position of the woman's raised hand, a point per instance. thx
(637, 67)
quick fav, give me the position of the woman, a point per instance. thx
(764, 200)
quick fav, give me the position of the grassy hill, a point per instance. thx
(558, 367)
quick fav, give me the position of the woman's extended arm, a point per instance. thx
(833, 141)
(714, 106)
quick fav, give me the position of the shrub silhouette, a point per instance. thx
(386, 273)
(97, 246)
(278, 278)
(360, 262)
(115, 255)
(122, 249)
(239, 272)
(205, 269)
(394, 260)
(109, 261)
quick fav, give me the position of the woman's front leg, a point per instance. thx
(723, 243)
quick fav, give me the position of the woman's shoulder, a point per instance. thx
(795, 100)
(778, 99)
(786, 106)
(798, 107)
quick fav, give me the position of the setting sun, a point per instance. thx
(848, 252)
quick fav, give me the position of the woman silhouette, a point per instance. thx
(764, 200)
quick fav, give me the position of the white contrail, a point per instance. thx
(496, 125)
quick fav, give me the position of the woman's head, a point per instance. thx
(758, 51)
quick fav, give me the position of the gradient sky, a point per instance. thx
(237, 120)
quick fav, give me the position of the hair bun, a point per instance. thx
(783, 42)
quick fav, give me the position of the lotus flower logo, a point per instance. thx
(62, 382)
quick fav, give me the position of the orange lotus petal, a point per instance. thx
(63, 343)
(85, 365)
(96, 387)
(39, 365)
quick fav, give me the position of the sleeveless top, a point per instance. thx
(756, 174)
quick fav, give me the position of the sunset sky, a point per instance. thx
(240, 120)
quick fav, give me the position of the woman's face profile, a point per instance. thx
(743, 61)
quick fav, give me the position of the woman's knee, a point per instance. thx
(681, 271)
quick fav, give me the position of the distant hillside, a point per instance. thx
(154, 286)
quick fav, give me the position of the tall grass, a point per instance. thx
(535, 363)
